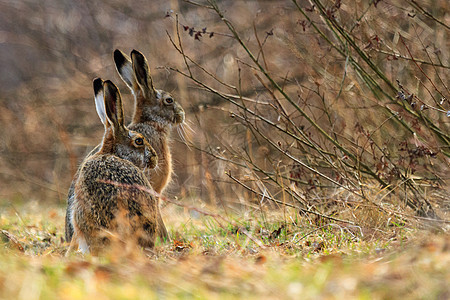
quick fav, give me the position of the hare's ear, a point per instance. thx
(113, 105)
(99, 100)
(142, 72)
(125, 69)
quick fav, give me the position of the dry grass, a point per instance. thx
(207, 261)
(317, 139)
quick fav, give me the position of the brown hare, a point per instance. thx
(111, 193)
(156, 113)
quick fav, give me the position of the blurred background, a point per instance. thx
(51, 50)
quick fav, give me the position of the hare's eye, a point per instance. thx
(139, 141)
(168, 100)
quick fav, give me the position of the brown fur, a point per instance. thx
(153, 116)
(111, 194)
(110, 199)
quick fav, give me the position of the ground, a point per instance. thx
(248, 256)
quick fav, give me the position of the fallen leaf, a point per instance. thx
(76, 267)
(260, 259)
(13, 240)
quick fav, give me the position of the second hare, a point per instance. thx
(111, 193)
(156, 112)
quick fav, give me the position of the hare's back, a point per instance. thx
(107, 182)
(113, 194)
(106, 168)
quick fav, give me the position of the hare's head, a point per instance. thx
(118, 140)
(151, 105)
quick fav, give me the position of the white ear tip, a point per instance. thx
(99, 100)
(100, 107)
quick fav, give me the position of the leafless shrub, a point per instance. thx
(331, 107)
(316, 112)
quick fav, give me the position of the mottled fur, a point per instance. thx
(156, 112)
(107, 187)
(110, 192)
(153, 117)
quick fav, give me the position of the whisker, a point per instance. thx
(180, 134)
(155, 169)
(183, 135)
(188, 132)
(187, 124)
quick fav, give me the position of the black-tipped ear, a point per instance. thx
(125, 69)
(141, 70)
(113, 104)
(119, 58)
(98, 85)
(99, 100)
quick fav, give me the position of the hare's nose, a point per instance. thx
(151, 157)
(150, 152)
(179, 117)
(152, 161)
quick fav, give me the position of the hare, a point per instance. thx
(111, 193)
(156, 113)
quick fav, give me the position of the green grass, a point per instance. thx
(210, 261)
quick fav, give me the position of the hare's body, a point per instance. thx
(155, 114)
(111, 196)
